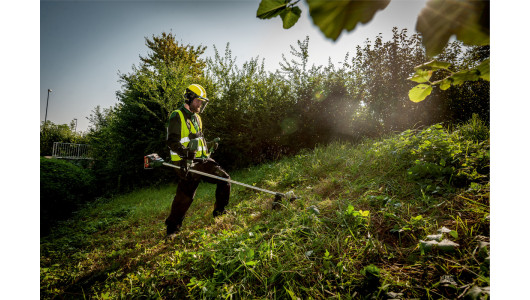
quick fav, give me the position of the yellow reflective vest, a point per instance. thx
(202, 152)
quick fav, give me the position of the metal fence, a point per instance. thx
(71, 151)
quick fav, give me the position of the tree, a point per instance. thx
(101, 143)
(366, 94)
(247, 113)
(166, 49)
(136, 126)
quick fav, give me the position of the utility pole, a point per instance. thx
(75, 130)
(46, 115)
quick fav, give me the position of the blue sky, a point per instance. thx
(84, 44)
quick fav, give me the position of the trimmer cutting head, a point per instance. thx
(278, 198)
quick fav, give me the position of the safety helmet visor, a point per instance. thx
(204, 104)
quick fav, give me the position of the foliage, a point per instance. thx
(166, 49)
(50, 133)
(380, 71)
(297, 107)
(101, 142)
(366, 95)
(248, 112)
(63, 188)
(474, 129)
(332, 17)
(356, 230)
(439, 20)
(468, 20)
(288, 12)
(424, 72)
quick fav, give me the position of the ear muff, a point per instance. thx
(189, 95)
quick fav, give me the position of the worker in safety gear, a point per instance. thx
(189, 149)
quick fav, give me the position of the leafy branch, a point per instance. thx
(289, 12)
(425, 71)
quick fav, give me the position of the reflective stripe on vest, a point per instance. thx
(202, 151)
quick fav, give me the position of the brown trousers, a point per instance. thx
(187, 187)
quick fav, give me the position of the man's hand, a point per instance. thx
(186, 165)
(190, 155)
(187, 160)
(213, 145)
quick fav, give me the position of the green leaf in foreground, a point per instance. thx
(424, 72)
(445, 84)
(334, 16)
(484, 69)
(434, 65)
(270, 8)
(463, 76)
(440, 19)
(290, 16)
(421, 76)
(420, 92)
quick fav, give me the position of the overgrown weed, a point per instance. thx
(369, 222)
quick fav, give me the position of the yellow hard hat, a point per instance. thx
(195, 91)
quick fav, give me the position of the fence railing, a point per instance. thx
(71, 151)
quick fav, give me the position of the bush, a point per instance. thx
(262, 116)
(50, 133)
(63, 187)
(475, 129)
(440, 160)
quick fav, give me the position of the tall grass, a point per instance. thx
(362, 227)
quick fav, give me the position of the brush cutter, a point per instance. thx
(153, 160)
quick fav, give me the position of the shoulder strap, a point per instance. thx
(185, 121)
(200, 122)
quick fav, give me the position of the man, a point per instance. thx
(189, 149)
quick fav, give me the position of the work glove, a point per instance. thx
(186, 165)
(190, 155)
(187, 161)
(213, 145)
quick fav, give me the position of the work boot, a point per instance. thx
(217, 213)
(171, 233)
(172, 228)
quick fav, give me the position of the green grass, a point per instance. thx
(358, 230)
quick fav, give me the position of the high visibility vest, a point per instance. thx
(202, 152)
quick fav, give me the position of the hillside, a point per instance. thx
(405, 216)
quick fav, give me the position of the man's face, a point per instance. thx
(195, 105)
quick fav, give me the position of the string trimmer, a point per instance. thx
(153, 160)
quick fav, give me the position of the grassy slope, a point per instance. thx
(355, 231)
